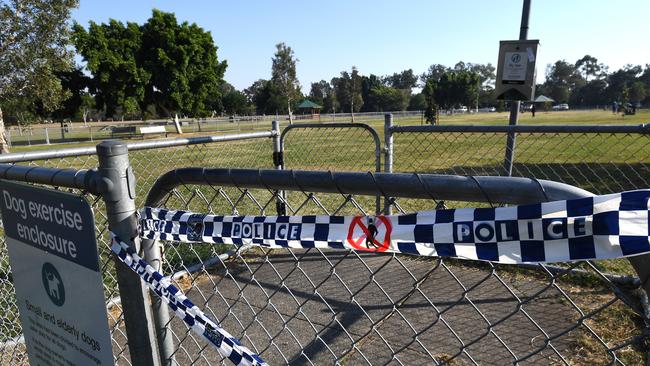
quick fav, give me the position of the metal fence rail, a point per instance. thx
(323, 307)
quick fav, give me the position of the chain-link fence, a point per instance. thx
(319, 306)
(600, 159)
(149, 160)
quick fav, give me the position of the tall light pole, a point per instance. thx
(514, 106)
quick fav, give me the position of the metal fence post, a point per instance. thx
(152, 252)
(388, 153)
(278, 163)
(511, 142)
(47, 136)
(120, 211)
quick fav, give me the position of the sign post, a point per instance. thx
(52, 249)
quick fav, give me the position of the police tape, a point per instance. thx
(598, 227)
(227, 345)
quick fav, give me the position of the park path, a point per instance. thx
(315, 311)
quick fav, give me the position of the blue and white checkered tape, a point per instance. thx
(598, 227)
(227, 345)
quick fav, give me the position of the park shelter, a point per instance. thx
(543, 99)
(309, 107)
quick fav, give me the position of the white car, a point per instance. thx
(561, 107)
(461, 109)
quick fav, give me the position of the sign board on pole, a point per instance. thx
(52, 249)
(516, 70)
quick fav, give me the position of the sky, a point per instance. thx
(383, 37)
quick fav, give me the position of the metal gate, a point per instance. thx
(319, 306)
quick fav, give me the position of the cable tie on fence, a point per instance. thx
(541, 187)
(426, 189)
(293, 176)
(391, 200)
(226, 344)
(480, 187)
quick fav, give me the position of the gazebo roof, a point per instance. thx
(308, 104)
(543, 99)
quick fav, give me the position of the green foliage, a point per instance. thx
(403, 80)
(348, 89)
(563, 79)
(322, 94)
(33, 39)
(235, 103)
(182, 61)
(456, 88)
(367, 84)
(429, 92)
(389, 99)
(162, 63)
(637, 91)
(113, 55)
(417, 102)
(258, 95)
(285, 88)
(75, 83)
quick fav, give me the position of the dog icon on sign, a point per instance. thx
(53, 284)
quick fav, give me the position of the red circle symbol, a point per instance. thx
(359, 234)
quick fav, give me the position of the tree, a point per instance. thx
(319, 92)
(33, 48)
(348, 90)
(592, 94)
(589, 67)
(456, 87)
(403, 80)
(562, 80)
(283, 77)
(417, 102)
(622, 79)
(367, 84)
(75, 84)
(257, 94)
(183, 64)
(637, 92)
(434, 72)
(112, 53)
(172, 66)
(386, 98)
(429, 92)
(235, 103)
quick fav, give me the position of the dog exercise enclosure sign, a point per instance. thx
(50, 237)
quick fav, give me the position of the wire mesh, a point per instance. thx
(330, 147)
(601, 163)
(147, 165)
(318, 306)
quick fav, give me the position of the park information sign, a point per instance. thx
(516, 70)
(53, 255)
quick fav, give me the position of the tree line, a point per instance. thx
(163, 67)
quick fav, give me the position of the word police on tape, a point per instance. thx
(599, 227)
